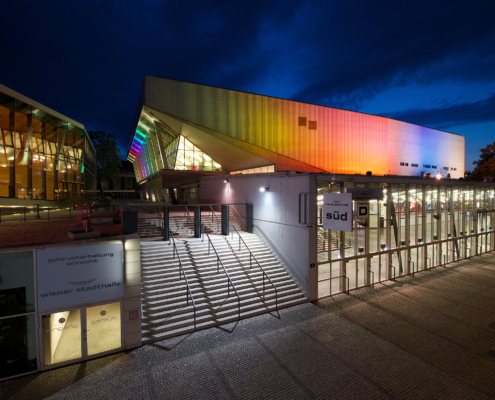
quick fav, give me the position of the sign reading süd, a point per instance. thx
(337, 211)
(78, 275)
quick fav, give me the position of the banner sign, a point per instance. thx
(78, 275)
(337, 211)
(363, 208)
(366, 194)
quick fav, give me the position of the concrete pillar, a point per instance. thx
(249, 218)
(132, 292)
(166, 224)
(225, 220)
(197, 221)
(129, 222)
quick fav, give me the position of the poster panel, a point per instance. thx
(337, 211)
(78, 275)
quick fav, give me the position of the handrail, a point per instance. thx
(259, 265)
(181, 270)
(214, 214)
(219, 262)
(190, 219)
(240, 216)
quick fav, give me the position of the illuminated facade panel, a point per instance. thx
(156, 146)
(298, 136)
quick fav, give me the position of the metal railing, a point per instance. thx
(213, 214)
(335, 277)
(182, 273)
(251, 257)
(189, 219)
(24, 214)
(219, 262)
(232, 207)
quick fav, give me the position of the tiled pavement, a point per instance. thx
(423, 337)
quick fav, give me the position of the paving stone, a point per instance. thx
(422, 337)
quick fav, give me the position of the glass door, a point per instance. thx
(61, 338)
(78, 334)
(103, 326)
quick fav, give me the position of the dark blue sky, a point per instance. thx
(429, 62)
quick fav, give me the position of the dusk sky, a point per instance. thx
(427, 62)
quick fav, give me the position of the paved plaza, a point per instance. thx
(429, 336)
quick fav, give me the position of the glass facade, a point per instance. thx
(415, 227)
(259, 170)
(156, 146)
(42, 157)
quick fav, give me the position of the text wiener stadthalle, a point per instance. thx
(81, 289)
(76, 275)
(86, 259)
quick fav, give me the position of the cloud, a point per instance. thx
(444, 118)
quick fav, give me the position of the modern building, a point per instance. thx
(196, 144)
(183, 130)
(44, 156)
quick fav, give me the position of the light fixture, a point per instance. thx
(225, 180)
(439, 176)
(264, 189)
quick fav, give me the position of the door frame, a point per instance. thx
(83, 327)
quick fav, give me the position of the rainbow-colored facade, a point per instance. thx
(191, 127)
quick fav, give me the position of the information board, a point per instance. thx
(337, 211)
(77, 275)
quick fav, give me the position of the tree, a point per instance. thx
(485, 166)
(107, 157)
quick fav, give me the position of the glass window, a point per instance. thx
(22, 191)
(38, 136)
(17, 346)
(17, 288)
(50, 178)
(7, 107)
(6, 166)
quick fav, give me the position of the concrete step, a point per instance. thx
(165, 309)
(186, 327)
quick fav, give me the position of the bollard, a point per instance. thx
(38, 216)
(24, 214)
(48, 213)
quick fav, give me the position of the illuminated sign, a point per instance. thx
(337, 211)
(78, 275)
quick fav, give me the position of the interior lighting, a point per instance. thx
(264, 189)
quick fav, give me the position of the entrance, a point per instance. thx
(78, 334)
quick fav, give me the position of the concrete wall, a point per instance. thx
(275, 216)
(132, 291)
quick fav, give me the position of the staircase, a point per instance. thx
(165, 296)
(322, 240)
(147, 229)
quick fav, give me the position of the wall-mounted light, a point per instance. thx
(264, 189)
(226, 180)
(439, 176)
